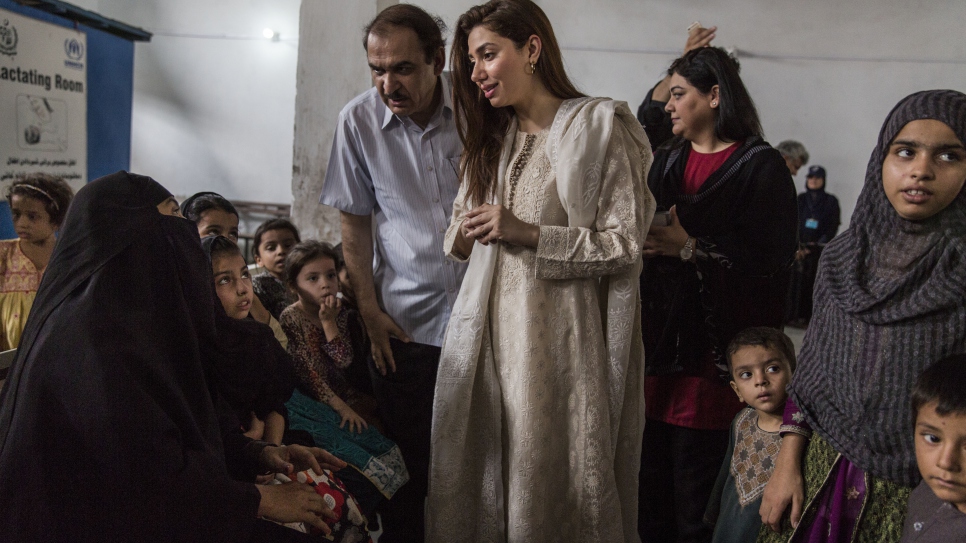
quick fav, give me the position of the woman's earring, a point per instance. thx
(533, 68)
(714, 103)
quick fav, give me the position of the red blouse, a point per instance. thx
(700, 166)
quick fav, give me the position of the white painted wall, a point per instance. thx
(218, 114)
(214, 101)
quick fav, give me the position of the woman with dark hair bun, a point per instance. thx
(716, 263)
(537, 417)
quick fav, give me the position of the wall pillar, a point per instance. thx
(332, 70)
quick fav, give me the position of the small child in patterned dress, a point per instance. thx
(333, 400)
(937, 507)
(761, 361)
(38, 205)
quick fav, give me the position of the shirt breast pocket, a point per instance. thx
(454, 168)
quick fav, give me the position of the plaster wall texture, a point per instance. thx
(332, 69)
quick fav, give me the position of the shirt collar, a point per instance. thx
(388, 115)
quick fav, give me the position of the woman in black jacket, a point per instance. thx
(717, 265)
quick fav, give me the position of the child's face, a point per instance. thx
(30, 219)
(924, 170)
(317, 280)
(233, 284)
(759, 376)
(216, 222)
(273, 248)
(941, 453)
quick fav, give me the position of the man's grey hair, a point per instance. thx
(793, 149)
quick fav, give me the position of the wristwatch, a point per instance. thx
(688, 250)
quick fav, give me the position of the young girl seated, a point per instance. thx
(890, 300)
(257, 394)
(213, 215)
(330, 402)
(257, 391)
(38, 203)
(272, 242)
(761, 361)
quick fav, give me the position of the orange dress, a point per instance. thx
(19, 280)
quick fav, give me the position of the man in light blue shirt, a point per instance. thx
(393, 173)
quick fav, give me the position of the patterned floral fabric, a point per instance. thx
(538, 409)
(320, 366)
(319, 363)
(19, 280)
(882, 511)
(754, 457)
(793, 421)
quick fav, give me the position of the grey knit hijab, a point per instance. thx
(890, 299)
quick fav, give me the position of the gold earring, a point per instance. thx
(533, 68)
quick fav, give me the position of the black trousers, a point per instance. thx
(679, 467)
(406, 408)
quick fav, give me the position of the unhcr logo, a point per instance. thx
(75, 51)
(8, 38)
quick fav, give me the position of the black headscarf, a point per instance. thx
(107, 426)
(250, 368)
(890, 300)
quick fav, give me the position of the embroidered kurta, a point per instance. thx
(19, 280)
(539, 405)
(748, 466)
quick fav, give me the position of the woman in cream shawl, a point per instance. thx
(539, 408)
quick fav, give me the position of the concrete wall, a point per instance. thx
(332, 69)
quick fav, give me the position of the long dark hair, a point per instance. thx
(736, 118)
(197, 204)
(219, 246)
(481, 126)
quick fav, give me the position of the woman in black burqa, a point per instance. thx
(108, 423)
